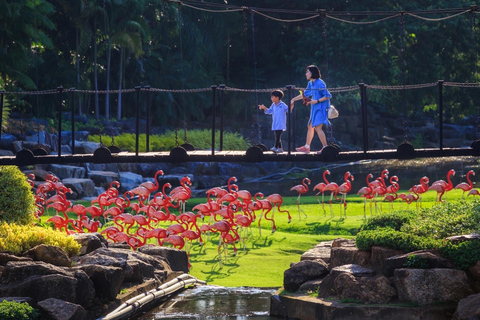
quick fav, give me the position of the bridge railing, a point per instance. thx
(400, 104)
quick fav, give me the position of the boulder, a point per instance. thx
(468, 308)
(90, 242)
(86, 147)
(82, 187)
(340, 242)
(177, 259)
(465, 237)
(103, 178)
(327, 287)
(320, 251)
(106, 280)
(431, 259)
(428, 286)
(40, 280)
(65, 171)
(56, 309)
(369, 290)
(380, 254)
(311, 285)
(49, 254)
(343, 255)
(5, 258)
(475, 270)
(303, 271)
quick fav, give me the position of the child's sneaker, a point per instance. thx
(279, 150)
(303, 149)
(273, 149)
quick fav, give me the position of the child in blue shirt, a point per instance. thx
(278, 110)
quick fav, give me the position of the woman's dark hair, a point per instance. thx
(315, 71)
(277, 93)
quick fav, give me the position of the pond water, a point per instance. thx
(215, 302)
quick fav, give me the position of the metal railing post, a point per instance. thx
(72, 111)
(214, 90)
(147, 89)
(2, 96)
(137, 120)
(363, 99)
(59, 109)
(222, 102)
(289, 121)
(440, 111)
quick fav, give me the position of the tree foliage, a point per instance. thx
(88, 44)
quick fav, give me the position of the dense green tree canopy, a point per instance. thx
(121, 44)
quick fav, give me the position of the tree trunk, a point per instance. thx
(120, 71)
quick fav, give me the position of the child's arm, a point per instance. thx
(262, 107)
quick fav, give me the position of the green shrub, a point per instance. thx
(11, 310)
(393, 221)
(20, 238)
(17, 202)
(393, 239)
(464, 254)
(445, 220)
(200, 139)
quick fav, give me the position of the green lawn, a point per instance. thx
(267, 257)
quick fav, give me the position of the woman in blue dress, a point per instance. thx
(320, 101)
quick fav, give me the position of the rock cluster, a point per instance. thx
(86, 286)
(376, 282)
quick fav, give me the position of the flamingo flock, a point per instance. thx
(151, 214)
(145, 215)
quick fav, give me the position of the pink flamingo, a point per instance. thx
(321, 189)
(409, 198)
(332, 187)
(277, 201)
(266, 206)
(466, 186)
(152, 186)
(473, 192)
(366, 193)
(301, 189)
(447, 186)
(343, 189)
(421, 188)
(224, 228)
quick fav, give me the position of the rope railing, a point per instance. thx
(265, 90)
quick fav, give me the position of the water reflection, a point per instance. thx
(214, 302)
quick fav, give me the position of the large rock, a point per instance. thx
(427, 286)
(81, 187)
(106, 280)
(136, 265)
(343, 255)
(303, 271)
(468, 308)
(90, 242)
(5, 258)
(380, 254)
(320, 251)
(61, 310)
(431, 259)
(86, 147)
(64, 171)
(177, 259)
(40, 281)
(376, 289)
(103, 178)
(49, 254)
(327, 287)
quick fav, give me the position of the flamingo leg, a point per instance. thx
(364, 208)
(330, 205)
